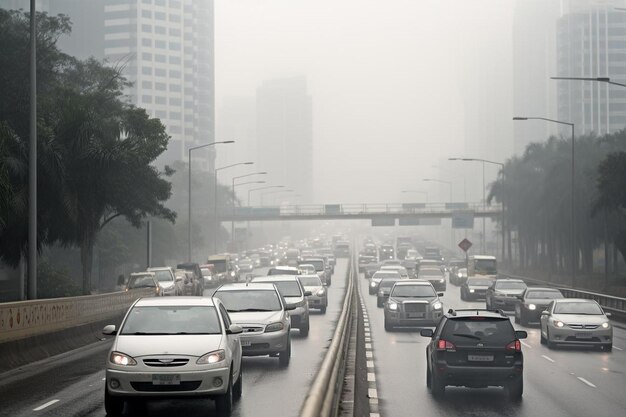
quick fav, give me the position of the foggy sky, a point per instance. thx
(390, 82)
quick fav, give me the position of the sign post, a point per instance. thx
(465, 244)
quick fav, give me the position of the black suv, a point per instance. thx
(476, 349)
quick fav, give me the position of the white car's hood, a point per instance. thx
(193, 345)
(581, 318)
(166, 284)
(256, 317)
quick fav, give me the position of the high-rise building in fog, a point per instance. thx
(164, 47)
(285, 134)
(591, 42)
(534, 62)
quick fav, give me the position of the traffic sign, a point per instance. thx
(465, 244)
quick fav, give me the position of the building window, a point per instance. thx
(175, 60)
(175, 102)
(175, 4)
(174, 74)
(159, 44)
(146, 56)
(159, 3)
(160, 114)
(174, 32)
(159, 30)
(147, 85)
(146, 28)
(175, 18)
(159, 57)
(117, 29)
(146, 70)
(160, 100)
(159, 15)
(147, 1)
(119, 14)
(175, 88)
(174, 46)
(116, 43)
(146, 13)
(173, 129)
(146, 42)
(175, 115)
(146, 99)
(159, 86)
(159, 72)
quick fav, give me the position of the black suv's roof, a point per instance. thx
(475, 312)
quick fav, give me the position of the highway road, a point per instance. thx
(558, 383)
(73, 384)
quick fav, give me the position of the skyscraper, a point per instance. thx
(285, 134)
(591, 42)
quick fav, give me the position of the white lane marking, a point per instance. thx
(368, 346)
(46, 405)
(548, 358)
(526, 344)
(372, 393)
(369, 354)
(371, 377)
(585, 381)
(618, 348)
(370, 364)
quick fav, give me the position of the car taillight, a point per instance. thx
(445, 345)
(515, 346)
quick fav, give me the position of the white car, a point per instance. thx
(167, 280)
(576, 321)
(174, 347)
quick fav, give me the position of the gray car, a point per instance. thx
(174, 347)
(167, 280)
(532, 302)
(263, 314)
(384, 288)
(319, 293)
(379, 276)
(504, 294)
(413, 303)
(295, 295)
(574, 321)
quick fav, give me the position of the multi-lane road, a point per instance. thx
(73, 385)
(563, 382)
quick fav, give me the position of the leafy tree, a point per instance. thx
(612, 194)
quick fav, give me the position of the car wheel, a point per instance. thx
(551, 344)
(323, 310)
(238, 388)
(379, 303)
(437, 387)
(517, 314)
(542, 337)
(224, 402)
(304, 331)
(523, 319)
(516, 389)
(607, 347)
(285, 357)
(428, 377)
(114, 406)
(463, 297)
(388, 327)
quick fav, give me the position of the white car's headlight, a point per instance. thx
(121, 359)
(274, 327)
(558, 323)
(605, 325)
(212, 357)
(372, 284)
(532, 307)
(321, 293)
(471, 290)
(392, 306)
(437, 305)
(442, 280)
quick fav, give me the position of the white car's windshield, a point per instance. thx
(310, 281)
(577, 308)
(171, 320)
(249, 300)
(163, 275)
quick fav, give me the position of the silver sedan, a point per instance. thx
(573, 321)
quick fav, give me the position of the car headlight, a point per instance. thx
(381, 293)
(558, 323)
(274, 327)
(532, 307)
(437, 305)
(392, 306)
(121, 359)
(442, 280)
(212, 357)
(320, 293)
(471, 290)
(372, 284)
(459, 275)
(605, 325)
(232, 273)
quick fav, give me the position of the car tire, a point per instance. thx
(379, 303)
(463, 297)
(542, 338)
(371, 292)
(285, 357)
(551, 344)
(607, 347)
(238, 387)
(437, 387)
(523, 319)
(114, 406)
(517, 314)
(428, 376)
(516, 390)
(304, 331)
(323, 310)
(224, 402)
(388, 327)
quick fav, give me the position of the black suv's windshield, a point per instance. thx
(250, 300)
(172, 320)
(463, 329)
(479, 282)
(413, 291)
(505, 285)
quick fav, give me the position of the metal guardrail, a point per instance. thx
(610, 303)
(323, 397)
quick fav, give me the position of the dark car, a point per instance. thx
(197, 275)
(476, 349)
(435, 276)
(384, 288)
(532, 302)
(474, 288)
(342, 249)
(365, 259)
(386, 252)
(503, 293)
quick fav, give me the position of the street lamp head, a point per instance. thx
(603, 79)
(520, 118)
(227, 141)
(248, 163)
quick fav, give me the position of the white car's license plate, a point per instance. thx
(583, 335)
(166, 379)
(245, 342)
(480, 358)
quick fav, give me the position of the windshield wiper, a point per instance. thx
(148, 334)
(469, 336)
(248, 310)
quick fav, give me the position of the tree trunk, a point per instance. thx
(86, 259)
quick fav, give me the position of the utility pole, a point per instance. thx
(32, 159)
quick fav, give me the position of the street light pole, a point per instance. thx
(501, 165)
(32, 162)
(193, 148)
(232, 222)
(573, 199)
(215, 222)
